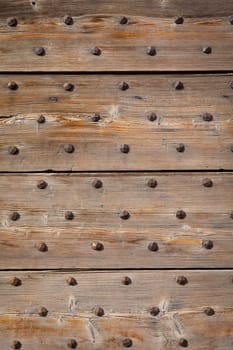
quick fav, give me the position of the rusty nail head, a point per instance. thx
(152, 117)
(231, 215)
(68, 20)
(16, 344)
(183, 342)
(151, 51)
(69, 148)
(12, 22)
(41, 119)
(127, 342)
(15, 216)
(179, 85)
(231, 20)
(98, 311)
(96, 51)
(43, 312)
(72, 344)
(153, 247)
(207, 182)
(152, 183)
(123, 20)
(181, 280)
(68, 86)
(179, 20)
(207, 117)
(96, 117)
(69, 215)
(209, 311)
(207, 50)
(180, 148)
(125, 148)
(154, 311)
(126, 281)
(97, 246)
(180, 214)
(231, 148)
(124, 86)
(13, 150)
(42, 247)
(42, 184)
(124, 215)
(71, 281)
(207, 244)
(16, 282)
(12, 85)
(39, 51)
(96, 183)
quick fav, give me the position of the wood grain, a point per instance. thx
(123, 120)
(123, 47)
(97, 218)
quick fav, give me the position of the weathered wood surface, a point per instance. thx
(156, 8)
(97, 218)
(122, 47)
(123, 120)
(126, 309)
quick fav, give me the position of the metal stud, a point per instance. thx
(181, 280)
(72, 344)
(71, 281)
(124, 215)
(41, 119)
(15, 216)
(180, 214)
(125, 148)
(97, 246)
(154, 311)
(39, 51)
(42, 247)
(12, 22)
(96, 183)
(183, 342)
(98, 311)
(13, 150)
(96, 51)
(207, 182)
(123, 86)
(69, 148)
(180, 148)
(153, 246)
(96, 117)
(152, 183)
(68, 20)
(207, 50)
(152, 117)
(207, 244)
(16, 282)
(68, 87)
(43, 312)
(16, 344)
(123, 20)
(178, 85)
(127, 343)
(151, 51)
(209, 311)
(69, 215)
(207, 117)
(126, 281)
(42, 184)
(179, 20)
(12, 85)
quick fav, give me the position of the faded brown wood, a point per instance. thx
(156, 8)
(69, 48)
(123, 120)
(97, 218)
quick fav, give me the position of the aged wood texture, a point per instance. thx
(127, 309)
(152, 215)
(101, 43)
(27, 9)
(97, 118)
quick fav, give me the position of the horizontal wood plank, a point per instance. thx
(69, 118)
(98, 216)
(101, 43)
(71, 314)
(156, 8)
